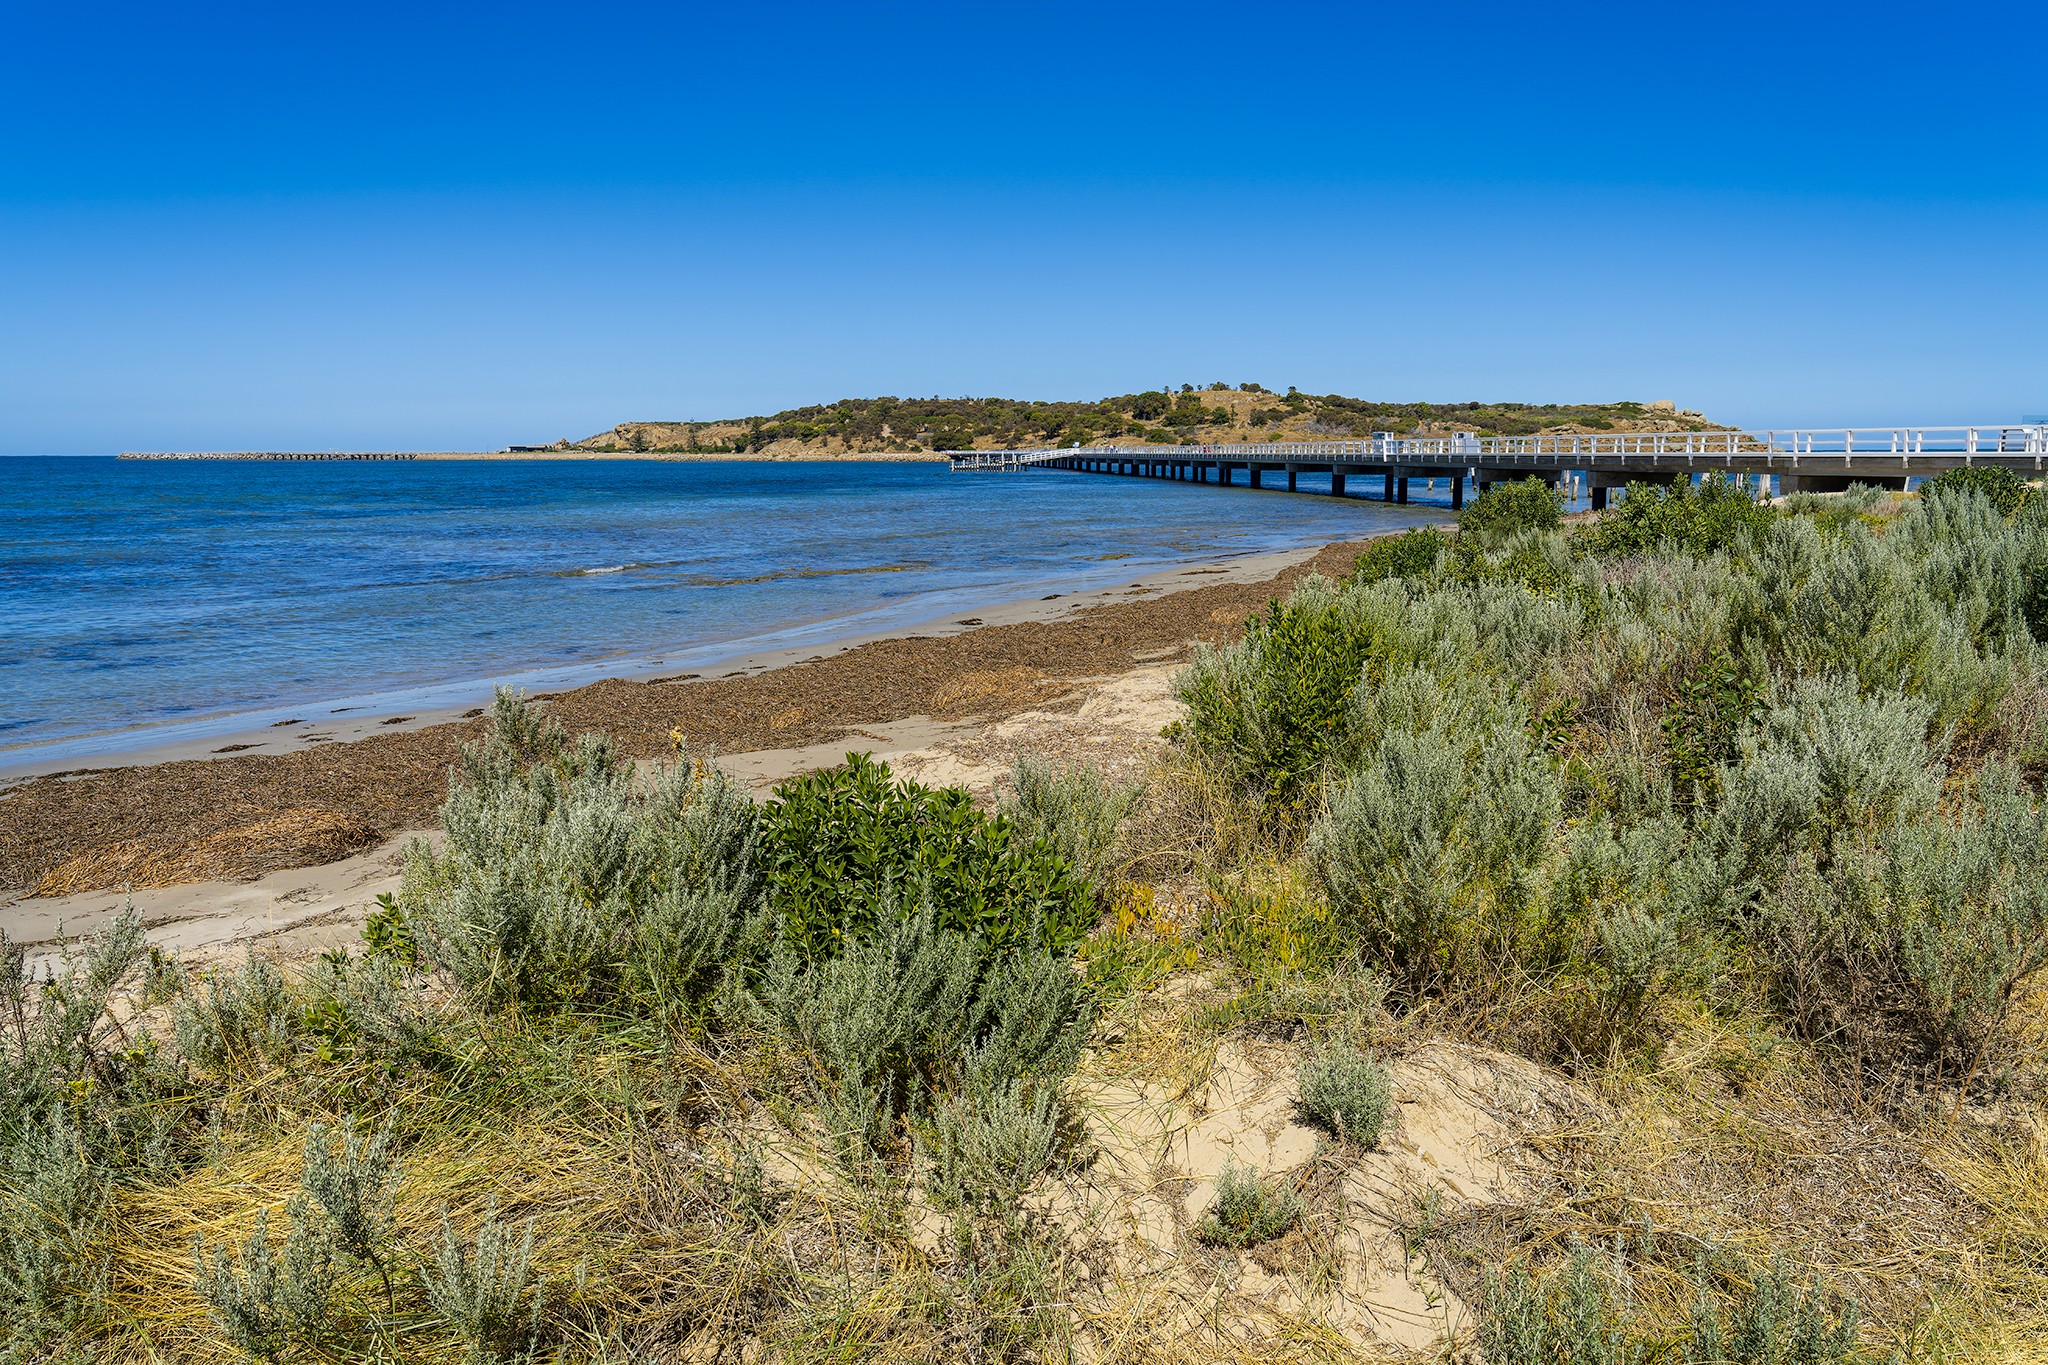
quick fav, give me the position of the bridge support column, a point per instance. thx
(1336, 484)
(1600, 483)
(1388, 495)
(1457, 490)
(1401, 490)
(1252, 474)
(1290, 481)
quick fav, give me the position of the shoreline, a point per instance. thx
(238, 816)
(288, 727)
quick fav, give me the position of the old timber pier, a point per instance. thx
(1798, 461)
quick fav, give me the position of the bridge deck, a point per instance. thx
(1816, 460)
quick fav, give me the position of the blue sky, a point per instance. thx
(453, 226)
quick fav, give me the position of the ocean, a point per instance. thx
(144, 602)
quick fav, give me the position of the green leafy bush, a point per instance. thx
(1248, 1210)
(1412, 554)
(2002, 487)
(1347, 1092)
(1267, 712)
(1718, 513)
(847, 849)
(1506, 508)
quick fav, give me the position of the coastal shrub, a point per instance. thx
(1521, 505)
(569, 880)
(1770, 1320)
(990, 1143)
(244, 1019)
(56, 1227)
(1247, 1209)
(354, 1182)
(1966, 911)
(1704, 723)
(1412, 554)
(64, 1043)
(1075, 812)
(371, 1006)
(1585, 1312)
(2003, 488)
(1429, 849)
(1579, 1314)
(265, 1299)
(1267, 712)
(1347, 1092)
(1718, 513)
(912, 1008)
(848, 848)
(483, 1287)
(1824, 763)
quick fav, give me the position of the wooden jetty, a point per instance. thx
(1819, 460)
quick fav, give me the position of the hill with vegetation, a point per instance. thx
(1215, 414)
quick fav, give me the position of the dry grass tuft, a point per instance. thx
(303, 837)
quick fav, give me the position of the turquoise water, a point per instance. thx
(141, 602)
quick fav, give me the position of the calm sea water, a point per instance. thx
(142, 602)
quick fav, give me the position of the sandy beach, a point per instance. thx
(294, 834)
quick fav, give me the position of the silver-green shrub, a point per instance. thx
(1347, 1092)
(56, 1221)
(568, 879)
(1770, 1321)
(1578, 1315)
(1431, 848)
(483, 1287)
(1966, 910)
(238, 1019)
(1247, 1209)
(354, 1182)
(1826, 763)
(266, 1300)
(1075, 811)
(910, 1008)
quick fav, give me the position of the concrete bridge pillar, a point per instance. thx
(1457, 490)
(1290, 478)
(1336, 484)
(1599, 481)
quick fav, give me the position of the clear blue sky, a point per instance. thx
(456, 226)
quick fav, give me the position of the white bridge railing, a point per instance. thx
(1837, 446)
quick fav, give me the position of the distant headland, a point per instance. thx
(891, 428)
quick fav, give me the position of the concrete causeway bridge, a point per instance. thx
(1801, 461)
